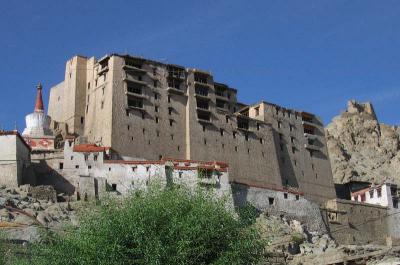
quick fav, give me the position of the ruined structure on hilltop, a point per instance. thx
(361, 148)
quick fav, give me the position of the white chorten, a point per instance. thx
(37, 132)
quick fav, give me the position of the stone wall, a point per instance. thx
(357, 223)
(286, 203)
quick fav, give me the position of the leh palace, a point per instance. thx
(118, 123)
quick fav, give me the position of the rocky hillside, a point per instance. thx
(360, 148)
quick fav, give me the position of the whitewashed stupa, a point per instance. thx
(37, 132)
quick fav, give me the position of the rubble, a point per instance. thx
(22, 217)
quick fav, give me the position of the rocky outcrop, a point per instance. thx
(23, 217)
(362, 149)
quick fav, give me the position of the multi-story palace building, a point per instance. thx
(146, 109)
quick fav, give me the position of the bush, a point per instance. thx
(170, 226)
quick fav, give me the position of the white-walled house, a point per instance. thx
(15, 159)
(95, 169)
(384, 195)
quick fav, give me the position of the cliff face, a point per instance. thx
(360, 148)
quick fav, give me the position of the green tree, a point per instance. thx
(172, 226)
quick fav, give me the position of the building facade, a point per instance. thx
(149, 110)
(15, 159)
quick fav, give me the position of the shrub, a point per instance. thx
(172, 226)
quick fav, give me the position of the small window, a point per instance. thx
(172, 137)
(227, 119)
(205, 141)
(144, 130)
(297, 197)
(371, 193)
(76, 166)
(89, 167)
(221, 131)
(246, 137)
(88, 85)
(379, 192)
(236, 148)
(279, 124)
(156, 108)
(155, 96)
(292, 140)
(291, 127)
(179, 148)
(261, 140)
(204, 128)
(285, 195)
(234, 135)
(293, 149)
(271, 201)
(169, 99)
(61, 166)
(147, 169)
(109, 169)
(95, 157)
(158, 134)
(258, 126)
(157, 120)
(72, 157)
(82, 120)
(127, 113)
(155, 83)
(169, 111)
(129, 127)
(102, 105)
(180, 174)
(223, 146)
(171, 122)
(248, 151)
(86, 157)
(114, 187)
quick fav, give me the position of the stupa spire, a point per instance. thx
(39, 99)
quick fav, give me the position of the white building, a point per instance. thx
(14, 159)
(384, 195)
(94, 169)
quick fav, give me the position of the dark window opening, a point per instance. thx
(156, 109)
(202, 104)
(114, 187)
(134, 89)
(76, 166)
(220, 104)
(271, 201)
(61, 166)
(203, 91)
(135, 102)
(285, 195)
(243, 124)
(236, 148)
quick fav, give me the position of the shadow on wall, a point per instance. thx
(288, 176)
(45, 175)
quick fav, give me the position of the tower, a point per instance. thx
(37, 132)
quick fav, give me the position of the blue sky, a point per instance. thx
(308, 55)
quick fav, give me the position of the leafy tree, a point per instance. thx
(171, 226)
